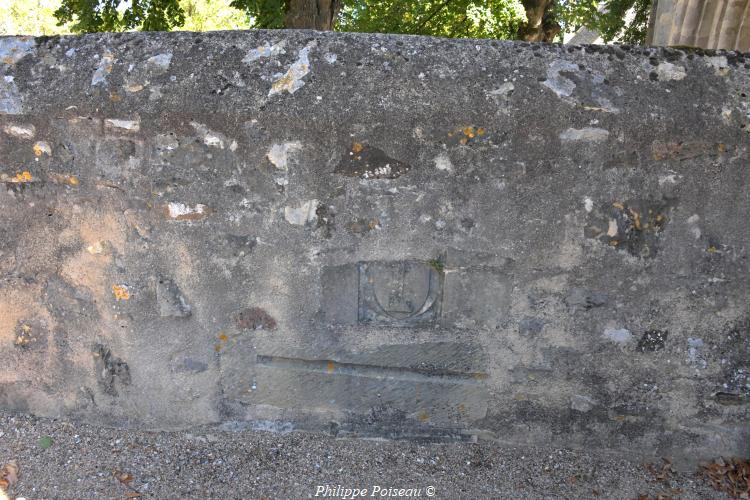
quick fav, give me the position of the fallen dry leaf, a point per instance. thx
(731, 476)
(662, 474)
(126, 479)
(9, 475)
(123, 477)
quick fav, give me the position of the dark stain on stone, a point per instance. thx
(369, 162)
(624, 158)
(731, 398)
(361, 226)
(530, 325)
(255, 318)
(325, 220)
(633, 226)
(110, 369)
(189, 365)
(530, 374)
(393, 423)
(17, 187)
(467, 223)
(585, 299)
(652, 340)
(734, 351)
(236, 245)
(170, 301)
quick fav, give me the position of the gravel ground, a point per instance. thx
(83, 461)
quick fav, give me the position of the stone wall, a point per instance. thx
(378, 236)
(709, 24)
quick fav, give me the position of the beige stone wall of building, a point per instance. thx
(709, 24)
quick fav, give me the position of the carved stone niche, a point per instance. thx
(399, 293)
(414, 294)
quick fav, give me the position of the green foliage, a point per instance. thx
(30, 17)
(608, 17)
(45, 442)
(437, 264)
(209, 15)
(119, 15)
(447, 18)
(266, 14)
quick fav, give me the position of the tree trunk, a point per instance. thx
(541, 25)
(311, 14)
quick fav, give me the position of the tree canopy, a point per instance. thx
(623, 20)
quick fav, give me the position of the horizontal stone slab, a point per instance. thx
(381, 236)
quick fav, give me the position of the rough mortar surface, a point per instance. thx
(378, 236)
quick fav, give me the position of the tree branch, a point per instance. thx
(433, 14)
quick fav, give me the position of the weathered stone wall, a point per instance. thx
(378, 235)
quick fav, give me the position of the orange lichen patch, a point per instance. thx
(466, 134)
(330, 367)
(24, 336)
(636, 219)
(357, 147)
(41, 147)
(223, 338)
(21, 177)
(16, 307)
(423, 416)
(120, 292)
(67, 179)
